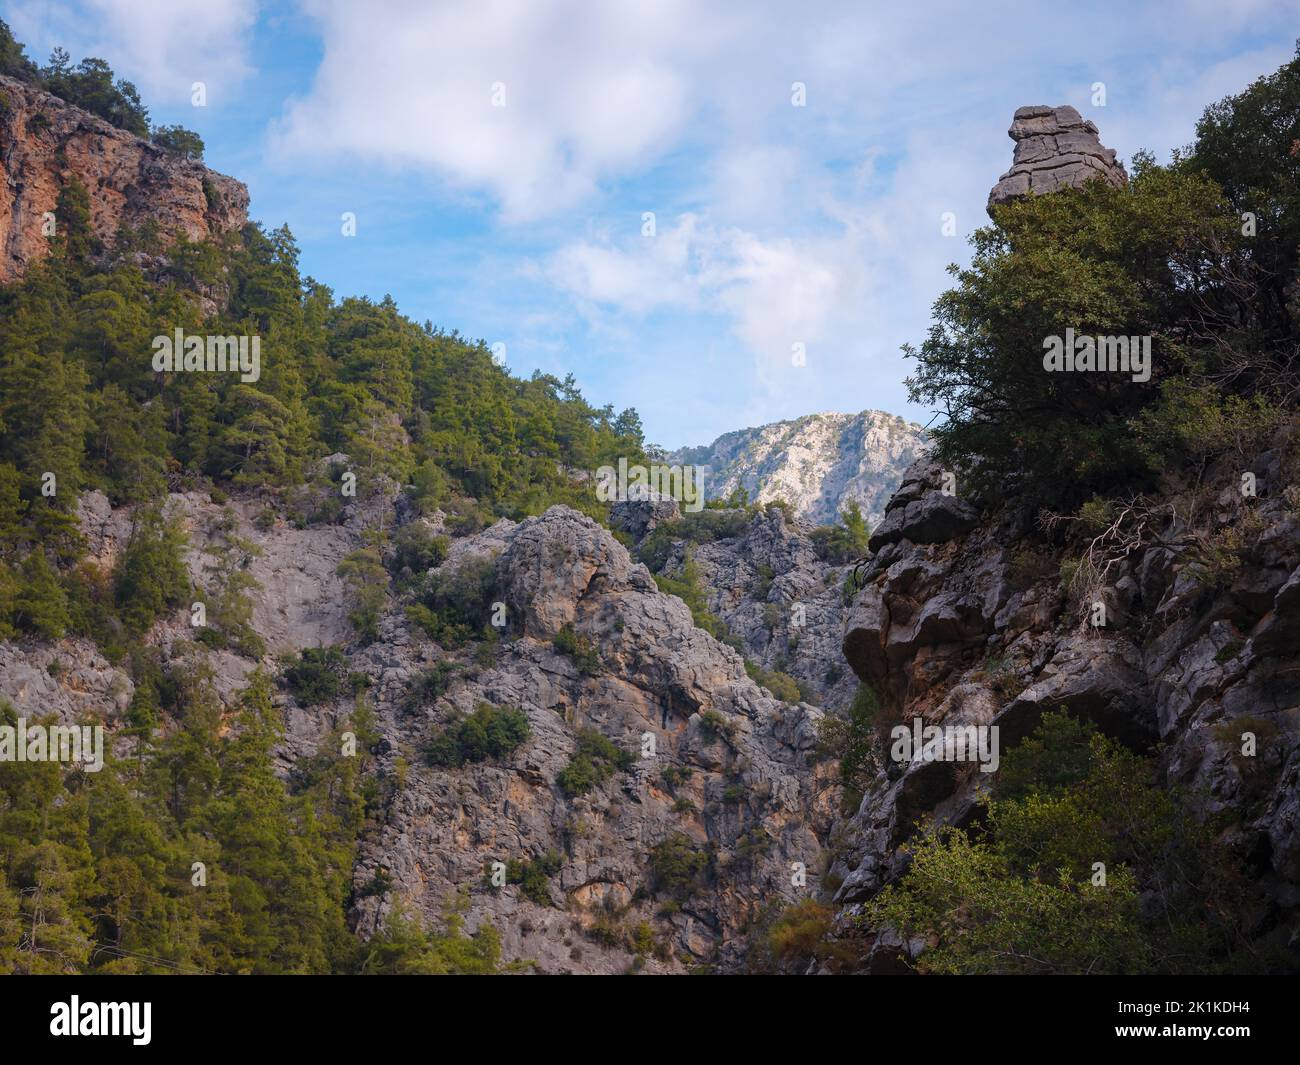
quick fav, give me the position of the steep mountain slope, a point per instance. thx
(716, 766)
(816, 463)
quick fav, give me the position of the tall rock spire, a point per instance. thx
(1056, 148)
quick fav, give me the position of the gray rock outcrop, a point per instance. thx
(734, 770)
(1056, 148)
(975, 627)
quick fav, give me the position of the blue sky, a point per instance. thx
(774, 225)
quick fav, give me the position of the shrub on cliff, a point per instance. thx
(489, 732)
(534, 877)
(405, 947)
(595, 760)
(779, 683)
(1082, 864)
(838, 544)
(453, 605)
(570, 642)
(677, 867)
(852, 737)
(367, 583)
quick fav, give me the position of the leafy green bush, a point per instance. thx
(686, 586)
(454, 607)
(716, 725)
(533, 877)
(403, 947)
(674, 776)
(853, 739)
(677, 867)
(1026, 893)
(570, 642)
(780, 684)
(367, 583)
(701, 527)
(429, 685)
(315, 675)
(594, 761)
(842, 543)
(416, 549)
(489, 732)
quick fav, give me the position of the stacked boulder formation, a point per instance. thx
(1056, 148)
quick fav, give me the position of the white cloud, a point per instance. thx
(818, 224)
(588, 89)
(164, 46)
(775, 292)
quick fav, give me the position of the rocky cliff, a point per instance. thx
(45, 144)
(780, 601)
(721, 769)
(1168, 621)
(965, 619)
(816, 463)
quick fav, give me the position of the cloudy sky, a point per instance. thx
(502, 157)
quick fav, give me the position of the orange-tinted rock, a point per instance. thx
(46, 143)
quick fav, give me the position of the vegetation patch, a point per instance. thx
(489, 732)
(595, 760)
(570, 642)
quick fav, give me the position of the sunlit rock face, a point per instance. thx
(46, 144)
(816, 463)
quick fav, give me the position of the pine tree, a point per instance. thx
(41, 605)
(151, 576)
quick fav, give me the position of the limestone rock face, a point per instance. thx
(782, 602)
(1056, 148)
(920, 511)
(734, 769)
(816, 463)
(45, 143)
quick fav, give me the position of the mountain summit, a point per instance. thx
(816, 463)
